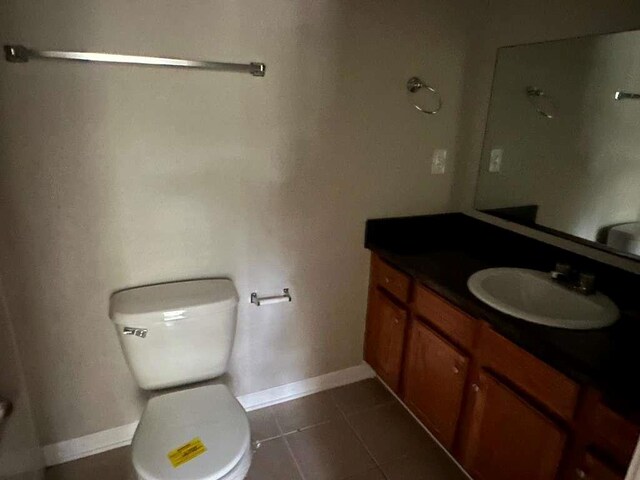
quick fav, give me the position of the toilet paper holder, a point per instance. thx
(259, 301)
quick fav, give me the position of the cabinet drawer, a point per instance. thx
(454, 323)
(545, 384)
(613, 433)
(392, 280)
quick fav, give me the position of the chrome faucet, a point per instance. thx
(581, 282)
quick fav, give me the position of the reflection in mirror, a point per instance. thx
(562, 147)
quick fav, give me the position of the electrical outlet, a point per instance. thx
(439, 162)
(495, 161)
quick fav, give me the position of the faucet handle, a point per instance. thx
(587, 283)
(562, 270)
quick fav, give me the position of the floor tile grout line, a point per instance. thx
(370, 408)
(293, 456)
(268, 439)
(314, 425)
(375, 462)
(275, 419)
(341, 414)
(291, 432)
(424, 428)
(345, 415)
(283, 436)
(274, 437)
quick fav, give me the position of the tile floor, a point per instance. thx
(355, 432)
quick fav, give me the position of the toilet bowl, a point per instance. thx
(206, 427)
(176, 334)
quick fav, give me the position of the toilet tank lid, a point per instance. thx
(631, 230)
(158, 301)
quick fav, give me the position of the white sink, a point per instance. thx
(535, 297)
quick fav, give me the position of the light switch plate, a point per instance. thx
(439, 162)
(495, 161)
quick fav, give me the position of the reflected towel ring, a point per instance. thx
(538, 99)
(414, 84)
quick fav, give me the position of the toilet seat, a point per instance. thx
(210, 414)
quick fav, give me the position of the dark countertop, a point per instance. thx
(604, 358)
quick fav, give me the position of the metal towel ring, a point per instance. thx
(414, 84)
(538, 98)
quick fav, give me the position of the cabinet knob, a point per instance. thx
(475, 387)
(386, 280)
(396, 321)
(456, 370)
(580, 473)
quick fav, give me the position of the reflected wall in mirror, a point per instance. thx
(562, 146)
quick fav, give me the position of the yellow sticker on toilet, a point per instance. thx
(186, 452)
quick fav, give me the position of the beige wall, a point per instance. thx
(114, 177)
(20, 455)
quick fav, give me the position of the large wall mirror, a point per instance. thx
(562, 146)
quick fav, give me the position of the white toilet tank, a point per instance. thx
(625, 237)
(176, 333)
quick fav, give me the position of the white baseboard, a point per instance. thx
(291, 391)
(80, 447)
(99, 442)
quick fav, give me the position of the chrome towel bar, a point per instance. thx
(259, 301)
(626, 96)
(22, 54)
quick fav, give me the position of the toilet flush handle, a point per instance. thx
(138, 332)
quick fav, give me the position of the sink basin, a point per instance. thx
(533, 296)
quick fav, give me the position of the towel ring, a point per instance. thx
(542, 102)
(414, 84)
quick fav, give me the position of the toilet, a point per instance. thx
(175, 334)
(625, 237)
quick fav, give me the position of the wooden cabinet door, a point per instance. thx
(385, 338)
(434, 378)
(591, 468)
(507, 438)
(612, 433)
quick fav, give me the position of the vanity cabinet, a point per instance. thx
(591, 468)
(432, 364)
(502, 412)
(507, 437)
(544, 385)
(387, 278)
(611, 433)
(604, 444)
(517, 413)
(385, 334)
(456, 325)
